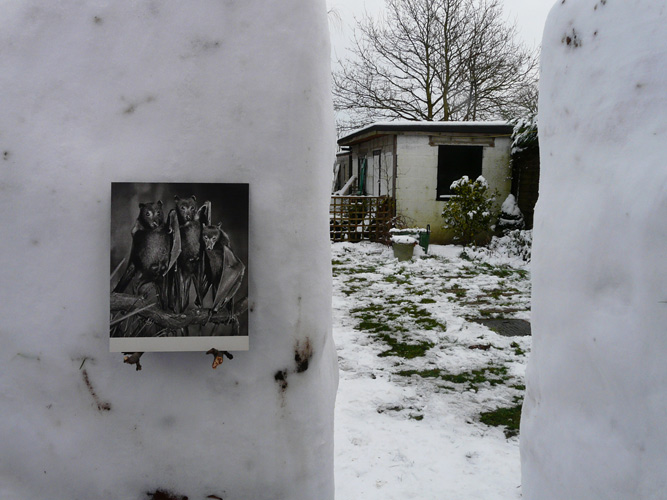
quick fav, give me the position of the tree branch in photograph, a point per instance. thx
(132, 305)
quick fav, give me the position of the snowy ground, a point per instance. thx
(416, 373)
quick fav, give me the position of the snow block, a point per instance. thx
(163, 91)
(593, 423)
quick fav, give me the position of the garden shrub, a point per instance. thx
(469, 213)
(511, 217)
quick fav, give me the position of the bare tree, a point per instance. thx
(435, 60)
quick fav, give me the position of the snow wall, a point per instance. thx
(593, 422)
(163, 91)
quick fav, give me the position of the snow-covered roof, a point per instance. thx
(496, 128)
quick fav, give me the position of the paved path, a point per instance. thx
(507, 327)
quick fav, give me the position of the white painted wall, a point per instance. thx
(418, 175)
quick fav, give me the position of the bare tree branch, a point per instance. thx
(435, 60)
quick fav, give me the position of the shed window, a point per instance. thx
(453, 163)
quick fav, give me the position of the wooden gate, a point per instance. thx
(356, 218)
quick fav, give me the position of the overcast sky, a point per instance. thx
(529, 16)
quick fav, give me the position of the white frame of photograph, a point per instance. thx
(179, 267)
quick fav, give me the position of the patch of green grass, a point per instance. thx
(502, 272)
(517, 349)
(392, 278)
(456, 290)
(477, 301)
(375, 318)
(373, 326)
(496, 293)
(432, 373)
(403, 349)
(431, 324)
(478, 267)
(498, 271)
(510, 418)
(421, 317)
(473, 379)
(417, 417)
(427, 301)
(494, 375)
(411, 309)
(346, 267)
(368, 308)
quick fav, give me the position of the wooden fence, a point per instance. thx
(356, 218)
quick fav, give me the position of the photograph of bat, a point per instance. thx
(179, 266)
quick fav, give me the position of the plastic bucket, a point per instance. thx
(403, 251)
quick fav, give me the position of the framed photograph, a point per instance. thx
(179, 267)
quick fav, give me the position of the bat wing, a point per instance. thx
(137, 227)
(130, 269)
(175, 239)
(230, 281)
(204, 213)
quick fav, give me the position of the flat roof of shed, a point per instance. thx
(496, 128)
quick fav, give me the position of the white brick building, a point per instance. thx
(416, 162)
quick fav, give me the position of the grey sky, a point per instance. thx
(529, 16)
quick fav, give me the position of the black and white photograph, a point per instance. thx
(179, 267)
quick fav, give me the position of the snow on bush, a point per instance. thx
(524, 135)
(469, 213)
(511, 217)
(593, 423)
(514, 248)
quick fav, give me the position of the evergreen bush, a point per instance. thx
(469, 213)
(511, 217)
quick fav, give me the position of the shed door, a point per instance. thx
(377, 174)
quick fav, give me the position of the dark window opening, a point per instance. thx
(453, 163)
